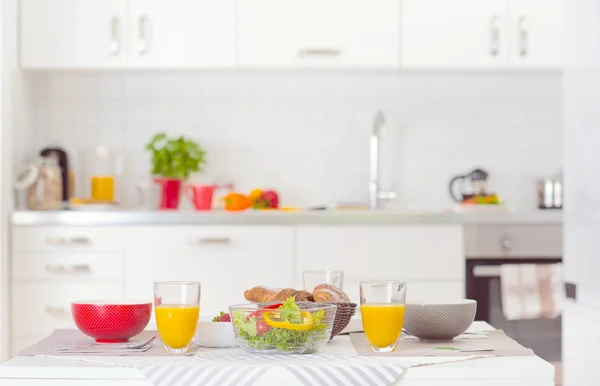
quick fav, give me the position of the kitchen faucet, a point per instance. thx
(374, 194)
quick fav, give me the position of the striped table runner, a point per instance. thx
(336, 364)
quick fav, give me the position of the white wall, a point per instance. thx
(307, 134)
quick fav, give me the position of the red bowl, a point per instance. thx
(111, 321)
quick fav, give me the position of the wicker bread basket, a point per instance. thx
(343, 315)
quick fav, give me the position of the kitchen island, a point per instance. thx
(122, 371)
(120, 254)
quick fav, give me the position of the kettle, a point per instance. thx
(471, 184)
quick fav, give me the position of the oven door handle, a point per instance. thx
(486, 271)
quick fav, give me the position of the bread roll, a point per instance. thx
(326, 293)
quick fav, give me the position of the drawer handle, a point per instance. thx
(61, 269)
(56, 311)
(61, 241)
(319, 52)
(215, 240)
(506, 243)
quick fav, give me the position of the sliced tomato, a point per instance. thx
(262, 328)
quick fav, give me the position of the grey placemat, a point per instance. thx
(501, 344)
(71, 336)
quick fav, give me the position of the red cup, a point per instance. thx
(170, 193)
(200, 195)
(111, 321)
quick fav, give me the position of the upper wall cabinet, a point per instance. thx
(454, 33)
(317, 33)
(481, 34)
(536, 33)
(182, 33)
(73, 33)
(82, 34)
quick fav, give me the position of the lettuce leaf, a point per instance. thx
(289, 310)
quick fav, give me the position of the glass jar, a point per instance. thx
(46, 192)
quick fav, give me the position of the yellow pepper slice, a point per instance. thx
(307, 322)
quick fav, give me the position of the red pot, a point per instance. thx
(111, 320)
(170, 193)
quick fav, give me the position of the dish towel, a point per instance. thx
(532, 291)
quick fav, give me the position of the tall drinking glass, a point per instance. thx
(177, 308)
(382, 306)
(315, 278)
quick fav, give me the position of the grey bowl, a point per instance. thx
(442, 321)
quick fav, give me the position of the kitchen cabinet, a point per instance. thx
(315, 34)
(482, 34)
(227, 260)
(456, 33)
(182, 33)
(84, 34)
(536, 33)
(73, 33)
(428, 257)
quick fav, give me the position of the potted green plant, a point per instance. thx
(173, 160)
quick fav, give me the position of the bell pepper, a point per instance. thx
(258, 314)
(307, 322)
(236, 202)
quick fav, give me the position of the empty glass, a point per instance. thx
(177, 308)
(315, 278)
(382, 306)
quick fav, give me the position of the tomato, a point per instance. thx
(262, 328)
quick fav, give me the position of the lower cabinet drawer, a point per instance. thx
(67, 265)
(38, 309)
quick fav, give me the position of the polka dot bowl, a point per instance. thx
(111, 321)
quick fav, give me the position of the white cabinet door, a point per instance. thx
(536, 33)
(454, 34)
(431, 256)
(182, 33)
(317, 34)
(73, 33)
(227, 260)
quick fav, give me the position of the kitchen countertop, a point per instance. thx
(329, 217)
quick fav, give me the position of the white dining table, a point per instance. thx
(116, 371)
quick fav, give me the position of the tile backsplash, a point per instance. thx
(307, 134)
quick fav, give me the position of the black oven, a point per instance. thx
(542, 335)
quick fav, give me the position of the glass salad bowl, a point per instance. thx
(283, 328)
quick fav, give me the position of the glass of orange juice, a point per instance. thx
(382, 306)
(177, 308)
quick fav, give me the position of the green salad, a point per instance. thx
(283, 327)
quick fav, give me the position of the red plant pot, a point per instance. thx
(111, 321)
(170, 193)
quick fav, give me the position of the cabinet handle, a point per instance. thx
(56, 311)
(523, 36)
(319, 52)
(61, 269)
(215, 240)
(143, 45)
(495, 36)
(61, 241)
(506, 243)
(115, 36)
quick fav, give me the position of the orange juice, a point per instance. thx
(176, 323)
(103, 188)
(382, 323)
